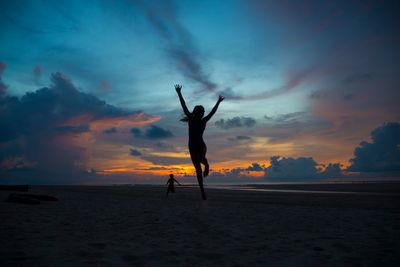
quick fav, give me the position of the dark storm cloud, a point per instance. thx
(36, 128)
(382, 154)
(180, 46)
(49, 108)
(235, 122)
(135, 152)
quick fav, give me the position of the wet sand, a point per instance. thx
(138, 226)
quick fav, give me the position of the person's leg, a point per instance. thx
(204, 161)
(206, 166)
(199, 174)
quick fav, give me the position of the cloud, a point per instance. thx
(153, 132)
(50, 130)
(235, 122)
(332, 170)
(255, 167)
(293, 80)
(289, 125)
(380, 155)
(287, 117)
(163, 160)
(135, 152)
(243, 137)
(180, 46)
(318, 94)
(300, 169)
(353, 47)
(137, 132)
(164, 146)
(74, 129)
(111, 130)
(282, 169)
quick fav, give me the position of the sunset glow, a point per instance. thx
(92, 98)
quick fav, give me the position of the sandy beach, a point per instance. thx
(138, 226)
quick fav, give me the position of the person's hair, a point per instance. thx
(184, 118)
(198, 113)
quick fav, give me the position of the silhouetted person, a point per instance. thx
(197, 125)
(170, 184)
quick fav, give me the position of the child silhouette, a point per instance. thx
(170, 184)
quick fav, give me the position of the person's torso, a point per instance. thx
(196, 130)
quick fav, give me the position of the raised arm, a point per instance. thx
(178, 89)
(220, 99)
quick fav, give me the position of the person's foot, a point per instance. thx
(206, 170)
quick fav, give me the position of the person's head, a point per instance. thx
(198, 112)
(171, 176)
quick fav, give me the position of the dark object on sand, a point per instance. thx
(29, 198)
(23, 188)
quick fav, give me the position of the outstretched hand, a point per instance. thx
(221, 98)
(178, 88)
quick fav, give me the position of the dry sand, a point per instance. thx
(137, 226)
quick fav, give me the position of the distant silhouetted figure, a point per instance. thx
(170, 184)
(197, 125)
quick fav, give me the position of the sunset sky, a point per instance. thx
(87, 89)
